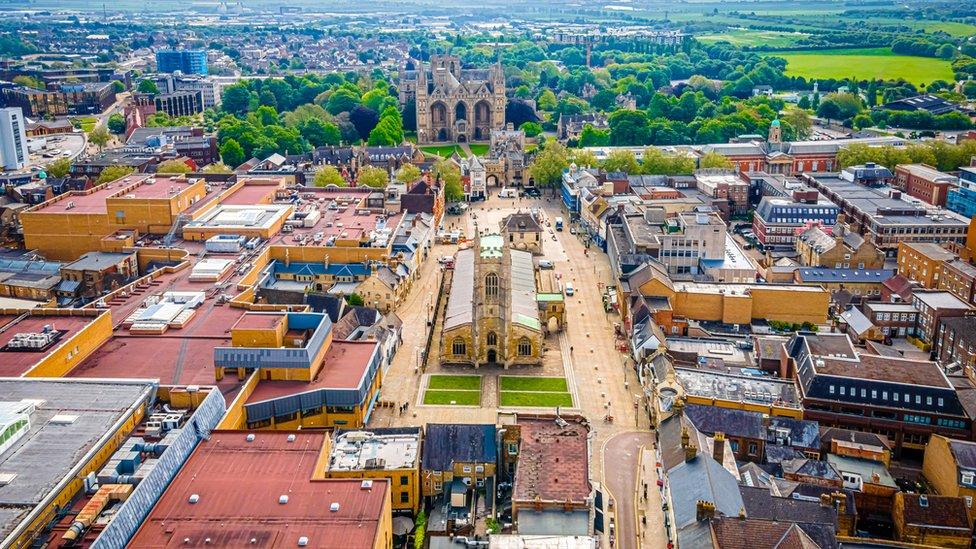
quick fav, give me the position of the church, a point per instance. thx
(492, 316)
(453, 104)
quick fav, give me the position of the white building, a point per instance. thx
(13, 139)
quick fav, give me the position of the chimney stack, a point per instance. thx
(691, 451)
(826, 500)
(718, 448)
(704, 510)
(840, 501)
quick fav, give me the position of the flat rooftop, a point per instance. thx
(16, 362)
(344, 366)
(739, 388)
(377, 449)
(42, 458)
(135, 186)
(248, 195)
(885, 368)
(553, 461)
(740, 289)
(259, 321)
(343, 218)
(231, 513)
(940, 300)
(233, 217)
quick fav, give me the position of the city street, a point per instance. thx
(604, 383)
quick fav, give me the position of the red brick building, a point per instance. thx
(924, 182)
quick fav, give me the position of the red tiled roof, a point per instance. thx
(553, 462)
(239, 484)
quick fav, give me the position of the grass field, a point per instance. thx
(456, 398)
(750, 37)
(86, 123)
(541, 400)
(952, 28)
(463, 383)
(524, 383)
(865, 63)
(531, 391)
(445, 151)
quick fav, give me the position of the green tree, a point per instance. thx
(592, 137)
(99, 137)
(329, 175)
(29, 81)
(799, 120)
(173, 166)
(839, 106)
(58, 168)
(111, 173)
(232, 153)
(655, 162)
(408, 173)
(714, 160)
(320, 133)
(236, 98)
(584, 158)
(546, 101)
(374, 177)
(945, 51)
(116, 123)
(547, 167)
(342, 100)
(217, 167)
(355, 300)
(531, 129)
(449, 175)
(148, 86)
(622, 160)
(118, 86)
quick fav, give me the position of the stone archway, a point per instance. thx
(482, 119)
(491, 180)
(492, 357)
(439, 120)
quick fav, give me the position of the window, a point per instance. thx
(438, 486)
(843, 390)
(831, 389)
(941, 402)
(458, 347)
(969, 501)
(928, 401)
(967, 478)
(735, 446)
(753, 448)
(466, 469)
(525, 347)
(512, 448)
(492, 339)
(491, 285)
(404, 480)
(404, 497)
(479, 468)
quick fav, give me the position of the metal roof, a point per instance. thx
(523, 306)
(459, 302)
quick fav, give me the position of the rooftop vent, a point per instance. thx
(291, 438)
(367, 484)
(250, 437)
(283, 499)
(303, 541)
(64, 419)
(194, 498)
(334, 507)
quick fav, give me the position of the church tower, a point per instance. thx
(775, 132)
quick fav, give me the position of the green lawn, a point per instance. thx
(87, 123)
(479, 149)
(952, 28)
(459, 398)
(444, 151)
(525, 383)
(545, 400)
(464, 383)
(865, 63)
(750, 37)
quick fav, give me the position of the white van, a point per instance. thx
(508, 192)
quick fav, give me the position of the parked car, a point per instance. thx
(533, 192)
(545, 264)
(570, 290)
(446, 260)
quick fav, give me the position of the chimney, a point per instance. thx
(704, 510)
(875, 478)
(840, 501)
(718, 448)
(691, 451)
(826, 500)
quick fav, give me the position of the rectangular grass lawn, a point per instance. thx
(444, 151)
(525, 383)
(549, 400)
(468, 383)
(459, 398)
(865, 63)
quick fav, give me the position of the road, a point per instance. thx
(621, 482)
(604, 382)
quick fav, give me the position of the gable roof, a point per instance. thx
(750, 533)
(933, 510)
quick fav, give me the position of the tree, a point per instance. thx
(408, 173)
(546, 101)
(320, 133)
(449, 175)
(592, 137)
(58, 168)
(364, 120)
(173, 166)
(531, 129)
(714, 160)
(799, 120)
(547, 168)
(655, 162)
(232, 153)
(945, 51)
(355, 300)
(839, 106)
(118, 86)
(111, 173)
(116, 123)
(148, 86)
(29, 81)
(584, 158)
(374, 177)
(329, 175)
(622, 160)
(236, 99)
(99, 137)
(342, 100)
(217, 167)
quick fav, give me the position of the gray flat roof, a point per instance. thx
(49, 452)
(379, 450)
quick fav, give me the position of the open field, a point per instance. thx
(463, 383)
(952, 28)
(749, 37)
(865, 63)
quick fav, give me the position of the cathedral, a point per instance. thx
(491, 315)
(453, 104)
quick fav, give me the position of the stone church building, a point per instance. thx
(491, 315)
(454, 104)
